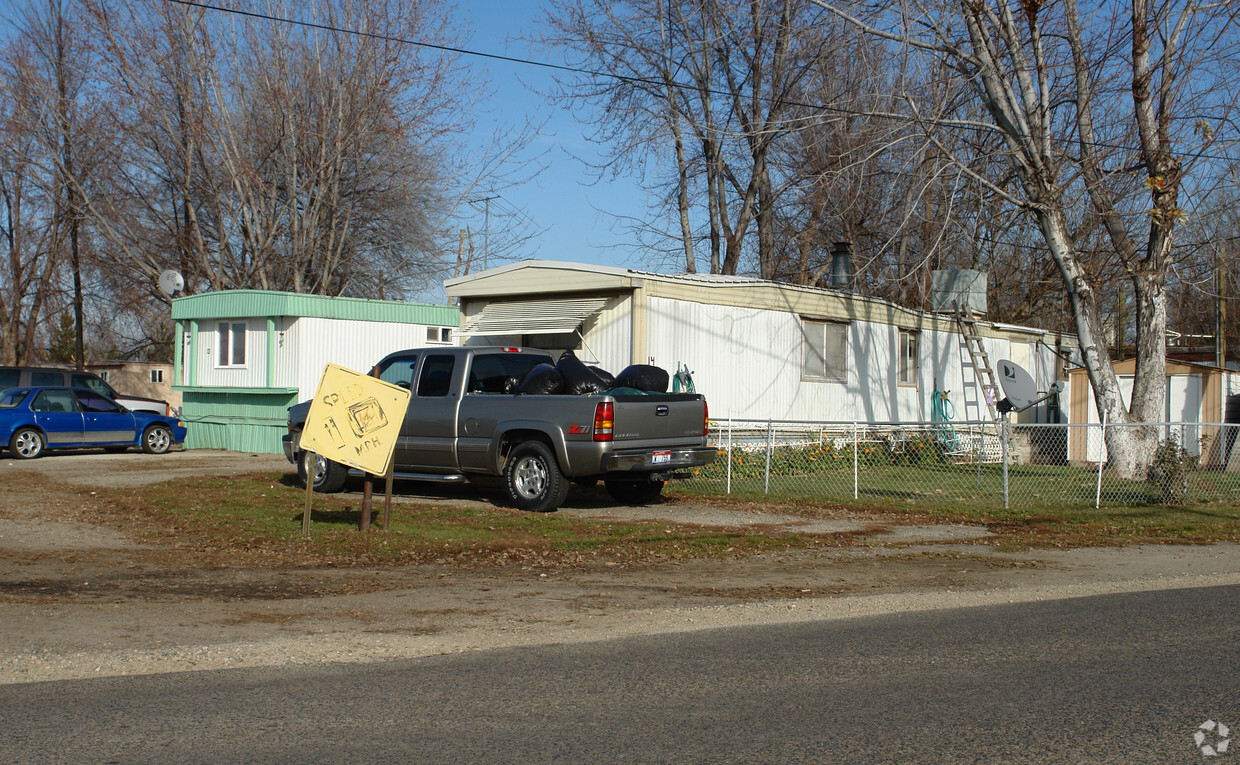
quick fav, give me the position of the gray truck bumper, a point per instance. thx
(645, 461)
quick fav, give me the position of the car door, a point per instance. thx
(57, 414)
(428, 436)
(104, 420)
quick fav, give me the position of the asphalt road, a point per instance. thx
(1117, 678)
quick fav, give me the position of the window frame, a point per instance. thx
(157, 376)
(908, 360)
(226, 333)
(808, 332)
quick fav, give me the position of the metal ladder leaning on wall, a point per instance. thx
(966, 322)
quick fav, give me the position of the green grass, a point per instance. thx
(1047, 505)
(259, 519)
(256, 520)
(922, 476)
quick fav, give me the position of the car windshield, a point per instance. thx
(12, 397)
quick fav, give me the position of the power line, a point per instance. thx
(839, 110)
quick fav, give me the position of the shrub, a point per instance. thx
(1168, 472)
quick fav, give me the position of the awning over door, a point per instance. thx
(532, 317)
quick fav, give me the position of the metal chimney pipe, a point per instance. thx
(841, 265)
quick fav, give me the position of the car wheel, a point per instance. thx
(26, 444)
(634, 492)
(329, 476)
(157, 439)
(533, 478)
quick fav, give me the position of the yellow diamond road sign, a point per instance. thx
(355, 419)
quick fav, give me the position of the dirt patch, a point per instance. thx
(85, 593)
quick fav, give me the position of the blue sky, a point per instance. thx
(564, 198)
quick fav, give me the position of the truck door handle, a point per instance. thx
(661, 410)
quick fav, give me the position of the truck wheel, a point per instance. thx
(329, 477)
(634, 492)
(533, 478)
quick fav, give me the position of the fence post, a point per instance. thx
(1103, 445)
(1004, 445)
(855, 471)
(766, 485)
(729, 457)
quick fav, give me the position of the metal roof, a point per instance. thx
(227, 304)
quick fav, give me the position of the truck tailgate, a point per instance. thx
(658, 420)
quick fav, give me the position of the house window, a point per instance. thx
(438, 334)
(103, 375)
(908, 357)
(824, 350)
(231, 339)
(157, 376)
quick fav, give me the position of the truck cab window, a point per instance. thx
(489, 372)
(436, 379)
(399, 371)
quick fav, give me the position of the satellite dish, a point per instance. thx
(171, 282)
(1020, 388)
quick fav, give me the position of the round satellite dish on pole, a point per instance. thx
(171, 282)
(1019, 387)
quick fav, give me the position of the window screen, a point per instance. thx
(825, 350)
(908, 357)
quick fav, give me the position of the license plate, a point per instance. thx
(660, 458)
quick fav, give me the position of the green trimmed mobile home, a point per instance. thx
(245, 356)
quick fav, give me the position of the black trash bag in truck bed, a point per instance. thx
(643, 377)
(609, 381)
(579, 380)
(543, 379)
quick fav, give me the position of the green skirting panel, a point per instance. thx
(242, 421)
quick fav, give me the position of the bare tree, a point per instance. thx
(27, 280)
(1077, 117)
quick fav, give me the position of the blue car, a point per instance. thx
(34, 419)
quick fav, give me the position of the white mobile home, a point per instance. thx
(757, 349)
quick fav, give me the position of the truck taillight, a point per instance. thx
(705, 418)
(604, 421)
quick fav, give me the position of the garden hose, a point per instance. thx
(941, 413)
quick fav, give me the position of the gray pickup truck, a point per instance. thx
(460, 423)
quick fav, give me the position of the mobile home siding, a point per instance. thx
(742, 339)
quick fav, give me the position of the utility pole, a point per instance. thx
(486, 227)
(1220, 311)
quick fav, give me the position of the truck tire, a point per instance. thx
(533, 478)
(634, 492)
(329, 477)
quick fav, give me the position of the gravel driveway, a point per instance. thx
(81, 600)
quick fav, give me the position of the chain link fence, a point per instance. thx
(1006, 465)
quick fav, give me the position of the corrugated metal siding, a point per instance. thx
(229, 303)
(242, 422)
(746, 361)
(356, 345)
(609, 335)
(252, 375)
(748, 364)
